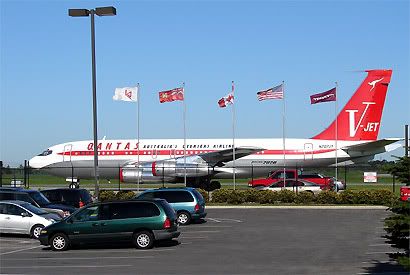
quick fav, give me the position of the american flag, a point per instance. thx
(272, 93)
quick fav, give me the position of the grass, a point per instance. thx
(354, 182)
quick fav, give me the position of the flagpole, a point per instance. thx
(283, 135)
(336, 136)
(138, 135)
(184, 117)
(233, 136)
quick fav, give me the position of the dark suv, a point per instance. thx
(68, 196)
(37, 199)
(139, 221)
(187, 202)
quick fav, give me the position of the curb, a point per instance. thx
(332, 207)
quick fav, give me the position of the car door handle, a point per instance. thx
(7, 218)
(103, 224)
(95, 224)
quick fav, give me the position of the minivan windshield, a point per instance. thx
(39, 198)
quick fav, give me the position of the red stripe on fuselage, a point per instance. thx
(188, 152)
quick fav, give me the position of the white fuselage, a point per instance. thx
(77, 158)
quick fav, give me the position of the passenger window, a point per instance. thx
(183, 196)
(2, 209)
(14, 210)
(88, 214)
(133, 210)
(175, 196)
(105, 213)
(278, 184)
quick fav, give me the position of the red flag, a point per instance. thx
(323, 97)
(171, 95)
(226, 100)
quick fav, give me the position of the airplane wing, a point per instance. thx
(376, 147)
(220, 157)
(211, 159)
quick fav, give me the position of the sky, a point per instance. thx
(45, 67)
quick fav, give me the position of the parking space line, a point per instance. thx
(382, 252)
(195, 237)
(64, 266)
(380, 244)
(190, 232)
(19, 250)
(232, 220)
(100, 251)
(78, 258)
(212, 226)
(215, 220)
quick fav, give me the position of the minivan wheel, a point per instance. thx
(35, 231)
(59, 242)
(183, 218)
(143, 240)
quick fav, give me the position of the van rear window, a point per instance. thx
(174, 196)
(198, 195)
(168, 209)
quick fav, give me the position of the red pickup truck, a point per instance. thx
(405, 193)
(277, 175)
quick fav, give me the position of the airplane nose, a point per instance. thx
(35, 163)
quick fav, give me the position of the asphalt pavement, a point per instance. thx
(230, 241)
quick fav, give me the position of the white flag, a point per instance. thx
(126, 94)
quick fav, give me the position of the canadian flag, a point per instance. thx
(226, 100)
(126, 94)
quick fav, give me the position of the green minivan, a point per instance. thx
(141, 222)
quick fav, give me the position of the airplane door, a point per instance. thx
(154, 153)
(67, 152)
(172, 153)
(308, 151)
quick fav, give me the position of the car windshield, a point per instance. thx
(33, 209)
(39, 198)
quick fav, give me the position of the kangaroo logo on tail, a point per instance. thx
(373, 83)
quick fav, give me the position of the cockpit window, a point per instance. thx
(46, 152)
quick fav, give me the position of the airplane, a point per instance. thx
(206, 160)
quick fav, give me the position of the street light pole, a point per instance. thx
(94, 79)
(103, 11)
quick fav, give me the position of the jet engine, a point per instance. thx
(170, 170)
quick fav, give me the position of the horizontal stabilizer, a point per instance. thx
(376, 147)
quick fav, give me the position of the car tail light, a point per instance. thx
(196, 208)
(167, 223)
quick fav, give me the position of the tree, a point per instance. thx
(401, 169)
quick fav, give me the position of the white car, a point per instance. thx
(20, 217)
(295, 186)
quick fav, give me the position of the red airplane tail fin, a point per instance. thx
(361, 117)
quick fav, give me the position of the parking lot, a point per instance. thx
(230, 241)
